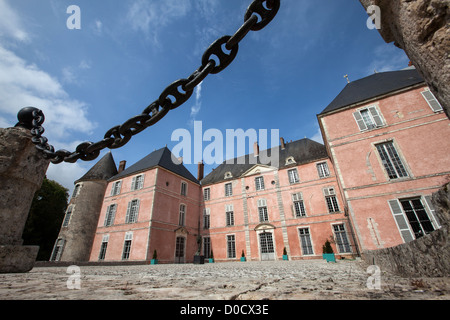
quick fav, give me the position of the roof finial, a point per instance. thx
(346, 76)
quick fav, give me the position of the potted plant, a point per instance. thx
(328, 253)
(243, 256)
(211, 257)
(285, 255)
(154, 258)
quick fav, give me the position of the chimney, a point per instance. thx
(200, 171)
(282, 144)
(256, 149)
(122, 166)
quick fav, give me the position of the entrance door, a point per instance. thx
(266, 245)
(179, 250)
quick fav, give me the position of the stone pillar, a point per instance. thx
(422, 29)
(22, 170)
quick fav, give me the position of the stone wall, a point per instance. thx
(422, 29)
(428, 256)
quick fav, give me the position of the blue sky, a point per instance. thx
(127, 51)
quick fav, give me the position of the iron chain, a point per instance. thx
(258, 15)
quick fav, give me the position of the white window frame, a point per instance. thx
(115, 188)
(110, 215)
(103, 247)
(231, 246)
(323, 170)
(137, 183)
(298, 205)
(392, 167)
(76, 190)
(228, 189)
(263, 213)
(206, 194)
(331, 200)
(126, 251)
(132, 211)
(182, 215)
(229, 215)
(293, 176)
(259, 183)
(341, 246)
(305, 236)
(372, 120)
(206, 218)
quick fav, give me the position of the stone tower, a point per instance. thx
(78, 229)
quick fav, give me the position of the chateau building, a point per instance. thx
(386, 142)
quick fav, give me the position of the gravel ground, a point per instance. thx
(277, 280)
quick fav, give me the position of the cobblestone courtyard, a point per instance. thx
(277, 280)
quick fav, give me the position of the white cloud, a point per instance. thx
(317, 136)
(10, 24)
(387, 57)
(150, 17)
(23, 84)
(195, 109)
(66, 173)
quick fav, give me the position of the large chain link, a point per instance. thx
(258, 15)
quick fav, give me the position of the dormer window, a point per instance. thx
(290, 160)
(228, 175)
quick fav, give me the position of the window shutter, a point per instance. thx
(138, 203)
(133, 184)
(376, 116)
(128, 236)
(127, 218)
(105, 238)
(262, 203)
(401, 221)
(432, 101)
(359, 120)
(141, 182)
(432, 212)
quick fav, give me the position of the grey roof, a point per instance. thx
(104, 169)
(163, 158)
(373, 86)
(303, 151)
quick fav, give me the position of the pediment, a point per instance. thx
(264, 226)
(258, 169)
(181, 231)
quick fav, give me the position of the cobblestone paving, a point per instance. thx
(277, 280)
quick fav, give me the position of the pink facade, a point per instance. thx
(389, 170)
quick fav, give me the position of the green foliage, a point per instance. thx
(327, 247)
(45, 218)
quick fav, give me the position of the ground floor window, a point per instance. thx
(417, 216)
(207, 247)
(103, 247)
(127, 246)
(305, 240)
(342, 242)
(231, 246)
(57, 251)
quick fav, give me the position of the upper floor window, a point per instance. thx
(229, 215)
(182, 217)
(183, 188)
(322, 169)
(299, 207)
(368, 118)
(115, 190)
(110, 215)
(137, 182)
(391, 160)
(206, 218)
(259, 183)
(293, 176)
(228, 190)
(206, 194)
(67, 216)
(432, 101)
(132, 211)
(262, 210)
(76, 190)
(330, 198)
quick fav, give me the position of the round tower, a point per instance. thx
(80, 222)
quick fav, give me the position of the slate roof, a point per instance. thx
(373, 86)
(104, 169)
(161, 158)
(303, 151)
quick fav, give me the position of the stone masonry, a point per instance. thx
(422, 29)
(22, 171)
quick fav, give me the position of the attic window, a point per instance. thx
(290, 160)
(228, 175)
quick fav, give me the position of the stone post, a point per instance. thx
(422, 29)
(22, 170)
